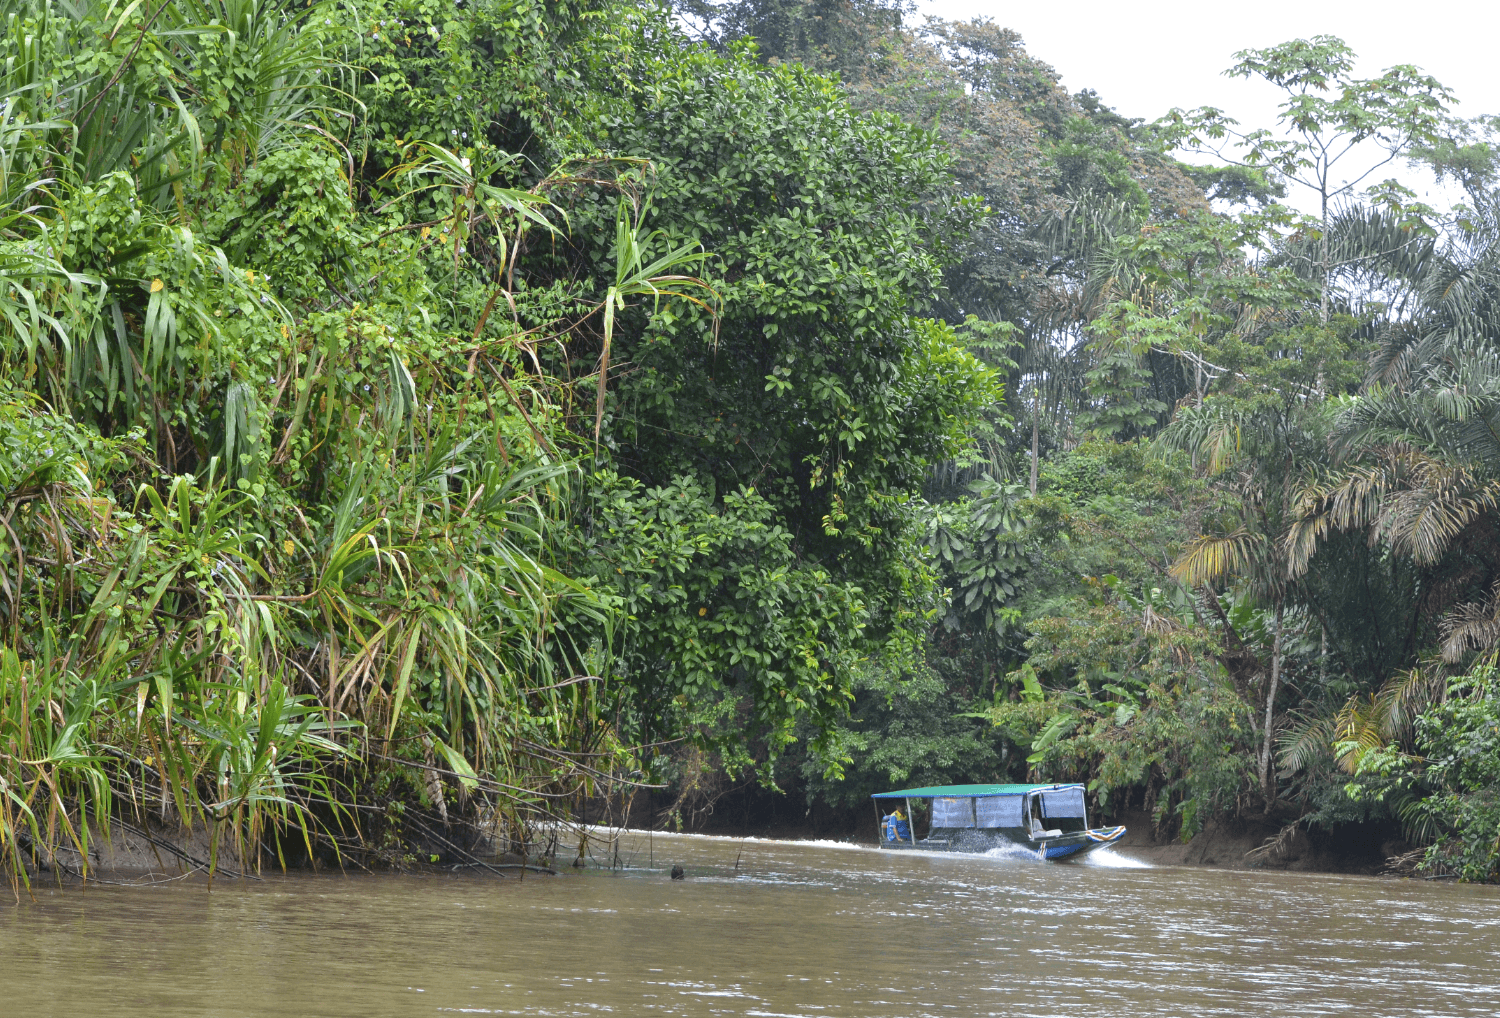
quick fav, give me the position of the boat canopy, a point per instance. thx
(971, 791)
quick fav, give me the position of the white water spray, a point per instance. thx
(1108, 858)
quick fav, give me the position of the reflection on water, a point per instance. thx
(801, 929)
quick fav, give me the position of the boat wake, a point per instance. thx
(1013, 851)
(1109, 859)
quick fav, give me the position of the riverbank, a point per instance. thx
(1260, 842)
(145, 850)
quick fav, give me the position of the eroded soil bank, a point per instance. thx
(146, 850)
(1260, 842)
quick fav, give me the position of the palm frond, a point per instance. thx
(1472, 627)
(1358, 729)
(1305, 738)
(1210, 558)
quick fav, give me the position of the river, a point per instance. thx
(800, 929)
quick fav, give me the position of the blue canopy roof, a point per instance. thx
(977, 791)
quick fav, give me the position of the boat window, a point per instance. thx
(952, 811)
(1065, 803)
(1063, 810)
(1000, 810)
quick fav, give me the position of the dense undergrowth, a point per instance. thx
(475, 413)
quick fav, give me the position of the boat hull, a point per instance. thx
(1073, 846)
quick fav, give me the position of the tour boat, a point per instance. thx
(1050, 820)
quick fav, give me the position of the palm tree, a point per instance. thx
(1417, 455)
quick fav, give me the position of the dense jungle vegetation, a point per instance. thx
(428, 413)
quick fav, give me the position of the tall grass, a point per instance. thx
(191, 651)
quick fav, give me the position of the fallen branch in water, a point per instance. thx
(1276, 845)
(461, 851)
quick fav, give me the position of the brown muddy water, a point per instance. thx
(802, 929)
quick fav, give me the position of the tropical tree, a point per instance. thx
(1328, 121)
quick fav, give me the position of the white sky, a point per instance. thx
(1144, 58)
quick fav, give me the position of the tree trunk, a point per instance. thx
(1325, 266)
(1267, 772)
(1036, 412)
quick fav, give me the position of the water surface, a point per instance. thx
(801, 929)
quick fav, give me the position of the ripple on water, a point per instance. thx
(766, 928)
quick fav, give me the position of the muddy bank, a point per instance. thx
(147, 850)
(1260, 842)
(127, 852)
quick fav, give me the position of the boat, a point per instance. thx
(1050, 820)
